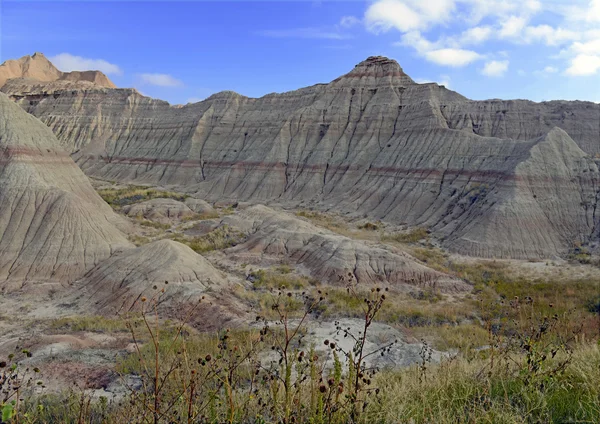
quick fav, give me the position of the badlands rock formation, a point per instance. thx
(116, 284)
(53, 225)
(330, 257)
(159, 210)
(489, 178)
(38, 68)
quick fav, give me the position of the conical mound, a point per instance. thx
(377, 71)
(36, 67)
(53, 225)
(116, 284)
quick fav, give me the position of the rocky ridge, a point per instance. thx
(480, 174)
(37, 67)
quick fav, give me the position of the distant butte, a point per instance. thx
(38, 67)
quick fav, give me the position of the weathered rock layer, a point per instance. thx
(493, 178)
(53, 225)
(38, 67)
(331, 257)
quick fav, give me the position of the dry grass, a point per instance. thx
(118, 198)
(218, 239)
(413, 236)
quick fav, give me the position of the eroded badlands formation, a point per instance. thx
(53, 225)
(38, 68)
(490, 178)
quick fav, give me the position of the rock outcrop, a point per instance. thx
(38, 68)
(159, 210)
(479, 174)
(53, 225)
(330, 257)
(116, 284)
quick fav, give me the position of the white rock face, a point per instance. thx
(489, 178)
(53, 225)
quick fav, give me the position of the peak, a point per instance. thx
(378, 68)
(378, 61)
(38, 54)
(554, 134)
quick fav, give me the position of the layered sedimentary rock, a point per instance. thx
(118, 283)
(330, 257)
(37, 67)
(53, 225)
(160, 210)
(481, 175)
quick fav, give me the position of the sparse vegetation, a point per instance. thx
(92, 323)
(118, 198)
(370, 226)
(516, 370)
(413, 236)
(264, 279)
(153, 224)
(139, 240)
(220, 238)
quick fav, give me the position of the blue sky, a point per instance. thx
(185, 51)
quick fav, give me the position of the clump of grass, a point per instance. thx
(91, 323)
(401, 309)
(200, 216)
(465, 338)
(139, 240)
(369, 226)
(218, 239)
(153, 224)
(284, 269)
(324, 220)
(118, 198)
(461, 391)
(433, 257)
(413, 236)
(265, 279)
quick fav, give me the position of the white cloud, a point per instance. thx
(194, 100)
(349, 21)
(512, 27)
(588, 47)
(549, 35)
(584, 65)
(407, 15)
(495, 68)
(415, 40)
(444, 80)
(548, 70)
(452, 57)
(67, 62)
(475, 35)
(161, 80)
(569, 26)
(436, 52)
